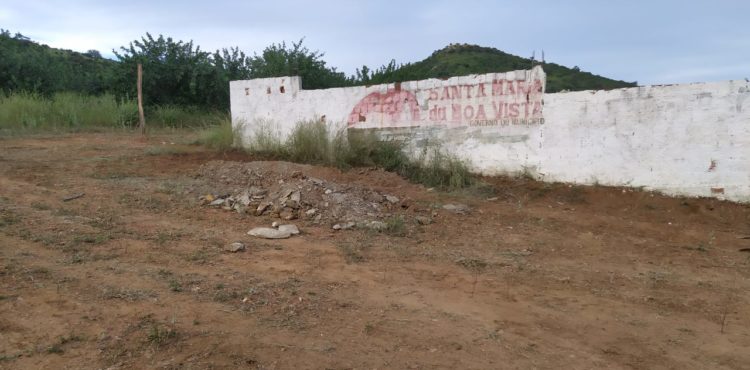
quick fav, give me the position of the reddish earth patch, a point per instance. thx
(134, 275)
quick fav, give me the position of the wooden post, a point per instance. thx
(142, 122)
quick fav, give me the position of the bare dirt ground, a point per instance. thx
(134, 273)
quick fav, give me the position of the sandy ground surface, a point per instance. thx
(134, 274)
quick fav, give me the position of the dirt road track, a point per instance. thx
(133, 274)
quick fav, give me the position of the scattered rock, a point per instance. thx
(290, 228)
(262, 207)
(244, 199)
(275, 224)
(72, 197)
(216, 202)
(374, 197)
(405, 203)
(282, 190)
(255, 192)
(376, 225)
(344, 226)
(235, 247)
(288, 214)
(457, 208)
(269, 233)
(423, 220)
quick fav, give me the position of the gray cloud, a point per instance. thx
(652, 42)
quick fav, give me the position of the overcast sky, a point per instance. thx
(650, 42)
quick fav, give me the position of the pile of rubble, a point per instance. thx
(283, 190)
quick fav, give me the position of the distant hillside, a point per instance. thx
(28, 66)
(463, 59)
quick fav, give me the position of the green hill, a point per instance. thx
(464, 59)
(28, 66)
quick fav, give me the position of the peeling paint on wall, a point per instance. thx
(688, 139)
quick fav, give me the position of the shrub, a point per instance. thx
(265, 141)
(310, 142)
(221, 137)
(313, 142)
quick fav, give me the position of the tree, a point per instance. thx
(171, 70)
(28, 66)
(279, 60)
(93, 53)
(180, 73)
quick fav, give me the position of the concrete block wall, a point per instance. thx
(689, 139)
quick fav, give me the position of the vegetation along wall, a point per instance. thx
(690, 139)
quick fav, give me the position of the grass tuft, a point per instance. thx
(395, 226)
(313, 142)
(220, 137)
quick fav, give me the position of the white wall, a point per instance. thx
(691, 139)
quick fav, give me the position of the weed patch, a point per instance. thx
(352, 253)
(395, 225)
(313, 142)
(159, 335)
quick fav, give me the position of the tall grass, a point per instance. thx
(265, 140)
(64, 111)
(221, 136)
(28, 112)
(313, 142)
(176, 116)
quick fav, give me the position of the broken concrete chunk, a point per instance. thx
(344, 225)
(457, 208)
(255, 191)
(376, 225)
(295, 197)
(392, 199)
(235, 247)
(244, 199)
(285, 194)
(290, 228)
(288, 214)
(269, 233)
(262, 208)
